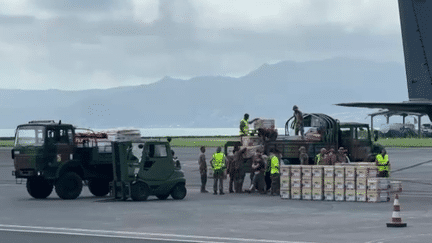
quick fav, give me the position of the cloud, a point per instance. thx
(142, 41)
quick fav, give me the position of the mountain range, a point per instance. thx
(217, 101)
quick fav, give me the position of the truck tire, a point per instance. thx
(99, 187)
(179, 192)
(69, 186)
(38, 187)
(140, 191)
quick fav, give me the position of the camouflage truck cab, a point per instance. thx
(146, 168)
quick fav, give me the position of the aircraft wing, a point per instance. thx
(409, 106)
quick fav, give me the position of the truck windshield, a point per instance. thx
(30, 136)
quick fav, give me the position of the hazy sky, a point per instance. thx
(82, 44)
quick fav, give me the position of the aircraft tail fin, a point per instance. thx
(415, 17)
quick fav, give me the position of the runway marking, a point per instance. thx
(130, 235)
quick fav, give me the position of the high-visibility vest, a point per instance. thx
(318, 158)
(218, 161)
(382, 162)
(245, 130)
(274, 165)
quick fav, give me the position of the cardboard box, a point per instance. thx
(296, 171)
(329, 171)
(350, 195)
(395, 186)
(296, 183)
(317, 194)
(350, 184)
(339, 172)
(248, 141)
(329, 196)
(329, 184)
(306, 171)
(285, 171)
(264, 123)
(350, 172)
(362, 172)
(372, 171)
(285, 194)
(361, 196)
(378, 184)
(317, 171)
(306, 194)
(378, 196)
(339, 195)
(307, 184)
(339, 183)
(361, 184)
(318, 183)
(296, 194)
(285, 183)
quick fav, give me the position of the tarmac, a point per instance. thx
(219, 218)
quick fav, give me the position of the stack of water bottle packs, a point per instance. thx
(344, 182)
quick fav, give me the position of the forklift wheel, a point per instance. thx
(179, 192)
(140, 191)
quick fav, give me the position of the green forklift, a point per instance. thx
(145, 168)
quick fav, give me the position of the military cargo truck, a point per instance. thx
(321, 131)
(146, 168)
(50, 154)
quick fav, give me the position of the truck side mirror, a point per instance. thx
(375, 135)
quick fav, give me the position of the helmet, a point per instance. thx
(295, 107)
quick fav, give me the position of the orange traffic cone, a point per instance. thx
(396, 219)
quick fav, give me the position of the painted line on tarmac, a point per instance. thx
(130, 235)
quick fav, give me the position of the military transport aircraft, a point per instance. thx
(416, 25)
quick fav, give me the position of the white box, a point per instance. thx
(285, 194)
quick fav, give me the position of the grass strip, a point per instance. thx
(405, 142)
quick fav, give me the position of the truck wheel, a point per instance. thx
(179, 192)
(99, 187)
(162, 197)
(69, 186)
(139, 191)
(38, 187)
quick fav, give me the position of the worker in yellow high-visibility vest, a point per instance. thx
(274, 172)
(383, 163)
(218, 165)
(244, 125)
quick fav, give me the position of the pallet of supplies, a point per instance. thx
(378, 184)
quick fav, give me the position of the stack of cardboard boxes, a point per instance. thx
(339, 183)
(317, 182)
(285, 175)
(378, 190)
(296, 182)
(329, 183)
(306, 182)
(351, 182)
